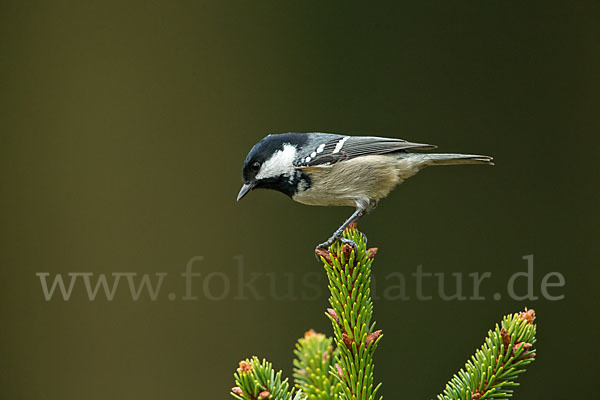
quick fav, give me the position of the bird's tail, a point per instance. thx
(455, 159)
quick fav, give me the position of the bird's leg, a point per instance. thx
(337, 235)
(372, 205)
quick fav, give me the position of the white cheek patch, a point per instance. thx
(280, 163)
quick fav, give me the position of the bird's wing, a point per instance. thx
(346, 147)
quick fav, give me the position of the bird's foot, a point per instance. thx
(351, 243)
(330, 241)
(353, 225)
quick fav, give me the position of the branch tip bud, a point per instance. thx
(528, 315)
(245, 366)
(237, 390)
(339, 371)
(505, 337)
(326, 256)
(333, 314)
(347, 251)
(373, 337)
(309, 333)
(347, 341)
(526, 346)
(371, 252)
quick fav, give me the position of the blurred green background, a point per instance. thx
(124, 127)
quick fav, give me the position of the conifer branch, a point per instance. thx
(322, 372)
(492, 371)
(315, 356)
(257, 380)
(351, 311)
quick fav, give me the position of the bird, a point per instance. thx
(330, 169)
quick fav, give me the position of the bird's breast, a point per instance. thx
(342, 184)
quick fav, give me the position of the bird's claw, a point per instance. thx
(325, 245)
(351, 243)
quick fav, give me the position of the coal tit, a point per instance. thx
(325, 169)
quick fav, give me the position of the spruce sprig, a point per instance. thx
(257, 380)
(492, 371)
(351, 312)
(345, 372)
(315, 355)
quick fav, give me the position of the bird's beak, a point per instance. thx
(245, 189)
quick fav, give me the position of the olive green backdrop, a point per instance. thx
(124, 126)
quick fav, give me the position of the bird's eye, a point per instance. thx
(255, 166)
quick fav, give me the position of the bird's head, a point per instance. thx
(270, 164)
